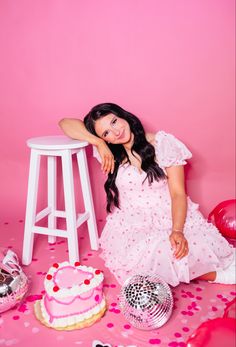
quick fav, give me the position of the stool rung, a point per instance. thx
(81, 218)
(43, 213)
(50, 232)
(46, 211)
(61, 214)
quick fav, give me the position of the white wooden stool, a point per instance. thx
(62, 147)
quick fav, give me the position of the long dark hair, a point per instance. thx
(141, 146)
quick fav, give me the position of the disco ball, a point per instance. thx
(146, 301)
(13, 281)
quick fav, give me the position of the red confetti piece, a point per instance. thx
(49, 277)
(97, 272)
(56, 288)
(32, 298)
(198, 289)
(185, 329)
(16, 317)
(112, 310)
(23, 308)
(173, 344)
(127, 326)
(77, 263)
(86, 282)
(224, 300)
(56, 265)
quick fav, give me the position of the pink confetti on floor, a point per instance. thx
(194, 303)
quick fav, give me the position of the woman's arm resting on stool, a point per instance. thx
(76, 129)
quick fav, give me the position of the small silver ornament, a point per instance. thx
(13, 281)
(146, 301)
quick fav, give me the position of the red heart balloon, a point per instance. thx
(223, 216)
(214, 333)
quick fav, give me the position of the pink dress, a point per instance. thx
(135, 239)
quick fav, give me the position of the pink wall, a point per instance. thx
(170, 62)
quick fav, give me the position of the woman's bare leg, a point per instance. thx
(210, 276)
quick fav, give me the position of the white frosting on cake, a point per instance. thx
(76, 289)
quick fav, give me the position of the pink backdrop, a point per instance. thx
(170, 62)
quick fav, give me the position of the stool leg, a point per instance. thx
(69, 195)
(52, 162)
(88, 200)
(31, 207)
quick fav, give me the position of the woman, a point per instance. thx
(152, 227)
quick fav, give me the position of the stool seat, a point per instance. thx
(55, 142)
(58, 148)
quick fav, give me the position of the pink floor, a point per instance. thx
(194, 303)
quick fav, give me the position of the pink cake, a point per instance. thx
(74, 296)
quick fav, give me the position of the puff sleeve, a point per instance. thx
(170, 151)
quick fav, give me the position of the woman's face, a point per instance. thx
(113, 129)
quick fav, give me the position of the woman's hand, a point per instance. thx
(108, 162)
(179, 244)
